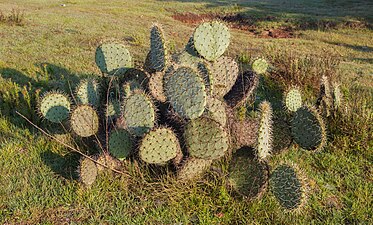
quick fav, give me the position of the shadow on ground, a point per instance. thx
(65, 166)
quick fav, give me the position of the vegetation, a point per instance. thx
(38, 176)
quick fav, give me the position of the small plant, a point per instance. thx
(15, 17)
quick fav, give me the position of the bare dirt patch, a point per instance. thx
(237, 21)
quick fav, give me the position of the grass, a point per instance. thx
(38, 184)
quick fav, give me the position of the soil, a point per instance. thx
(236, 21)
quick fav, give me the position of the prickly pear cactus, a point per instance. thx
(54, 106)
(225, 73)
(186, 92)
(211, 39)
(138, 113)
(260, 66)
(247, 175)
(337, 97)
(113, 58)
(88, 92)
(293, 99)
(159, 146)
(206, 139)
(287, 187)
(120, 144)
(244, 133)
(215, 109)
(264, 143)
(113, 109)
(84, 121)
(157, 59)
(156, 86)
(242, 90)
(87, 171)
(308, 129)
(193, 168)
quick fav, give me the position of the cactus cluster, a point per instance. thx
(181, 110)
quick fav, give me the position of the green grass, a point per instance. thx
(37, 176)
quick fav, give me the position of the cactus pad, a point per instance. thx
(156, 86)
(54, 106)
(159, 146)
(186, 92)
(87, 92)
(308, 129)
(211, 39)
(247, 176)
(281, 135)
(242, 90)
(206, 139)
(225, 73)
(84, 121)
(120, 144)
(157, 57)
(264, 143)
(193, 168)
(87, 171)
(260, 66)
(337, 97)
(138, 113)
(113, 109)
(215, 109)
(244, 133)
(113, 58)
(293, 99)
(287, 187)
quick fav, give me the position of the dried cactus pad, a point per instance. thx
(159, 146)
(156, 86)
(308, 129)
(157, 49)
(185, 90)
(55, 107)
(87, 92)
(84, 121)
(225, 73)
(193, 168)
(211, 39)
(138, 113)
(87, 171)
(260, 66)
(113, 58)
(120, 144)
(206, 139)
(286, 187)
(247, 176)
(293, 99)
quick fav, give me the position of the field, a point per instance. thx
(44, 43)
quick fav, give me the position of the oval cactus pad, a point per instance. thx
(84, 121)
(113, 58)
(211, 39)
(186, 91)
(55, 107)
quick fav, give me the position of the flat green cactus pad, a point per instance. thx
(113, 58)
(157, 59)
(159, 146)
(225, 73)
(211, 39)
(215, 109)
(84, 121)
(87, 172)
(193, 168)
(260, 66)
(120, 144)
(281, 135)
(88, 92)
(113, 108)
(185, 90)
(54, 106)
(206, 139)
(293, 99)
(286, 187)
(308, 129)
(247, 176)
(138, 113)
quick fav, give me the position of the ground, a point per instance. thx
(56, 40)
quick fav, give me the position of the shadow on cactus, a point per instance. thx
(184, 112)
